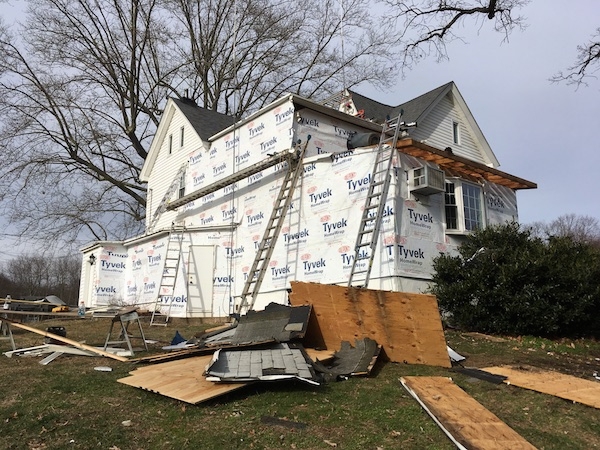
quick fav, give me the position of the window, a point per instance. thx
(463, 205)
(181, 137)
(182, 185)
(456, 133)
(170, 144)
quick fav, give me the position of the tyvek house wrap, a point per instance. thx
(317, 240)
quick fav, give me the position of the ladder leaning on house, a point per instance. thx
(162, 206)
(274, 225)
(169, 276)
(372, 215)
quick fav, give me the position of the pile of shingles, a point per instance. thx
(327, 332)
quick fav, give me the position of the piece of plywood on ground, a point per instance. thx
(464, 420)
(578, 390)
(407, 325)
(181, 379)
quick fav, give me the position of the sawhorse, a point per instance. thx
(125, 319)
(7, 333)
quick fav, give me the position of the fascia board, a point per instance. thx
(159, 137)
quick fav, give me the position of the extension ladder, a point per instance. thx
(162, 206)
(372, 215)
(169, 275)
(274, 225)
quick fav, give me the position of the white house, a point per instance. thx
(445, 183)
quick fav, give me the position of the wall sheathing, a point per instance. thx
(318, 236)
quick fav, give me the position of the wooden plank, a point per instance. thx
(571, 388)
(407, 325)
(67, 341)
(181, 379)
(464, 420)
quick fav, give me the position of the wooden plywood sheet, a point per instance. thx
(466, 422)
(407, 325)
(568, 387)
(181, 379)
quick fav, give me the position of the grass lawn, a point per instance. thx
(68, 404)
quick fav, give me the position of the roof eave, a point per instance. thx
(461, 165)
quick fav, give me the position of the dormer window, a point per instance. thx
(456, 133)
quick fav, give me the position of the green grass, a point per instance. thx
(68, 404)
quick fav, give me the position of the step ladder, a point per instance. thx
(372, 215)
(274, 225)
(169, 276)
(162, 206)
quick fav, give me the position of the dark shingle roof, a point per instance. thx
(206, 122)
(413, 109)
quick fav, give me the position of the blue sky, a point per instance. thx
(540, 131)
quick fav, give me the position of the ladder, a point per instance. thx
(372, 215)
(162, 206)
(274, 225)
(169, 275)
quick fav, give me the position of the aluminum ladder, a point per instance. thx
(274, 225)
(162, 206)
(169, 275)
(372, 215)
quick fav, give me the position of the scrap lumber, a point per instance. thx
(568, 387)
(76, 344)
(407, 325)
(464, 420)
(180, 379)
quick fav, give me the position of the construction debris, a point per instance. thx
(75, 344)
(272, 363)
(560, 385)
(464, 420)
(408, 326)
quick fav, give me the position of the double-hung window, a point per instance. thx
(463, 206)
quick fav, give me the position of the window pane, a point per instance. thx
(472, 207)
(451, 208)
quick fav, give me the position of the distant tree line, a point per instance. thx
(542, 279)
(37, 276)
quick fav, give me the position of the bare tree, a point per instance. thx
(426, 26)
(587, 63)
(83, 84)
(36, 275)
(584, 229)
(81, 89)
(244, 54)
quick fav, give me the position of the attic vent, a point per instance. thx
(427, 180)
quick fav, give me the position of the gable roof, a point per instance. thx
(417, 109)
(205, 123)
(414, 109)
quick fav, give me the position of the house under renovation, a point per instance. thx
(349, 192)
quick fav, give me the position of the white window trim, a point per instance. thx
(456, 132)
(460, 207)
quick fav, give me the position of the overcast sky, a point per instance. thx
(543, 132)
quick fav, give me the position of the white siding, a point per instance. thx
(436, 130)
(167, 165)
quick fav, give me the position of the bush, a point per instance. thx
(506, 281)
